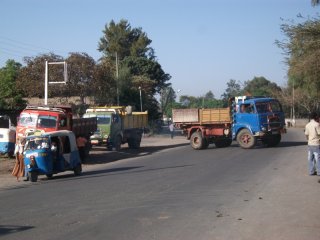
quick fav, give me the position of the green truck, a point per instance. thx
(117, 125)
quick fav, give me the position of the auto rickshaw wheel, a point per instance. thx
(33, 176)
(49, 176)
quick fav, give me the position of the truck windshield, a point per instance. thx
(47, 121)
(103, 119)
(265, 107)
(27, 119)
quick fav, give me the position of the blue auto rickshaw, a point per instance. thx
(51, 153)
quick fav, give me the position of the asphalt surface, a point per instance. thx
(173, 192)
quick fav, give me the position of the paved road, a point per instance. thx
(174, 193)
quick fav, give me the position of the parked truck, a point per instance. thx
(246, 120)
(40, 119)
(118, 125)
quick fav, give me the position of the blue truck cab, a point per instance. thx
(257, 119)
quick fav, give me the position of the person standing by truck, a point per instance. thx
(81, 144)
(312, 132)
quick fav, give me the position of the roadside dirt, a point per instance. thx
(6, 165)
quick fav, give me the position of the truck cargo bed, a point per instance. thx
(201, 116)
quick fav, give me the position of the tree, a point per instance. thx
(233, 89)
(31, 77)
(302, 48)
(10, 96)
(260, 86)
(81, 69)
(124, 41)
(129, 50)
(315, 2)
(104, 83)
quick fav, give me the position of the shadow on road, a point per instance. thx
(100, 155)
(9, 229)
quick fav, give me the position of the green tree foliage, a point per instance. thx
(124, 41)
(10, 96)
(260, 86)
(302, 48)
(104, 84)
(31, 77)
(206, 101)
(137, 66)
(81, 69)
(233, 89)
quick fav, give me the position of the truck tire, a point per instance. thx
(246, 139)
(197, 141)
(272, 141)
(117, 143)
(134, 143)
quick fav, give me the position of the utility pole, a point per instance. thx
(117, 76)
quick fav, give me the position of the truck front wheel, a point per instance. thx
(246, 139)
(272, 141)
(197, 140)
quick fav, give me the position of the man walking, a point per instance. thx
(171, 128)
(312, 132)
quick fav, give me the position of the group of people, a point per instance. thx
(312, 132)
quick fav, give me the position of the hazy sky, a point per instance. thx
(202, 44)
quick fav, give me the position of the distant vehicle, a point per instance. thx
(247, 120)
(119, 125)
(41, 119)
(7, 136)
(51, 153)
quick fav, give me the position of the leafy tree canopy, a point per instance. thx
(302, 49)
(10, 96)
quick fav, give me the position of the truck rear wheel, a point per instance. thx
(197, 141)
(246, 139)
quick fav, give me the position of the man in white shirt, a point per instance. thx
(312, 132)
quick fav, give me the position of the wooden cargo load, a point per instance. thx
(135, 120)
(201, 116)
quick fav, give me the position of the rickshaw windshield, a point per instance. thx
(28, 119)
(37, 143)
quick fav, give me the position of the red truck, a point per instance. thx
(39, 119)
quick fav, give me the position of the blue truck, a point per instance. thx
(247, 120)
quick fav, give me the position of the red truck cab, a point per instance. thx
(44, 119)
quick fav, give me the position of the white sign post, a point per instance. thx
(46, 81)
